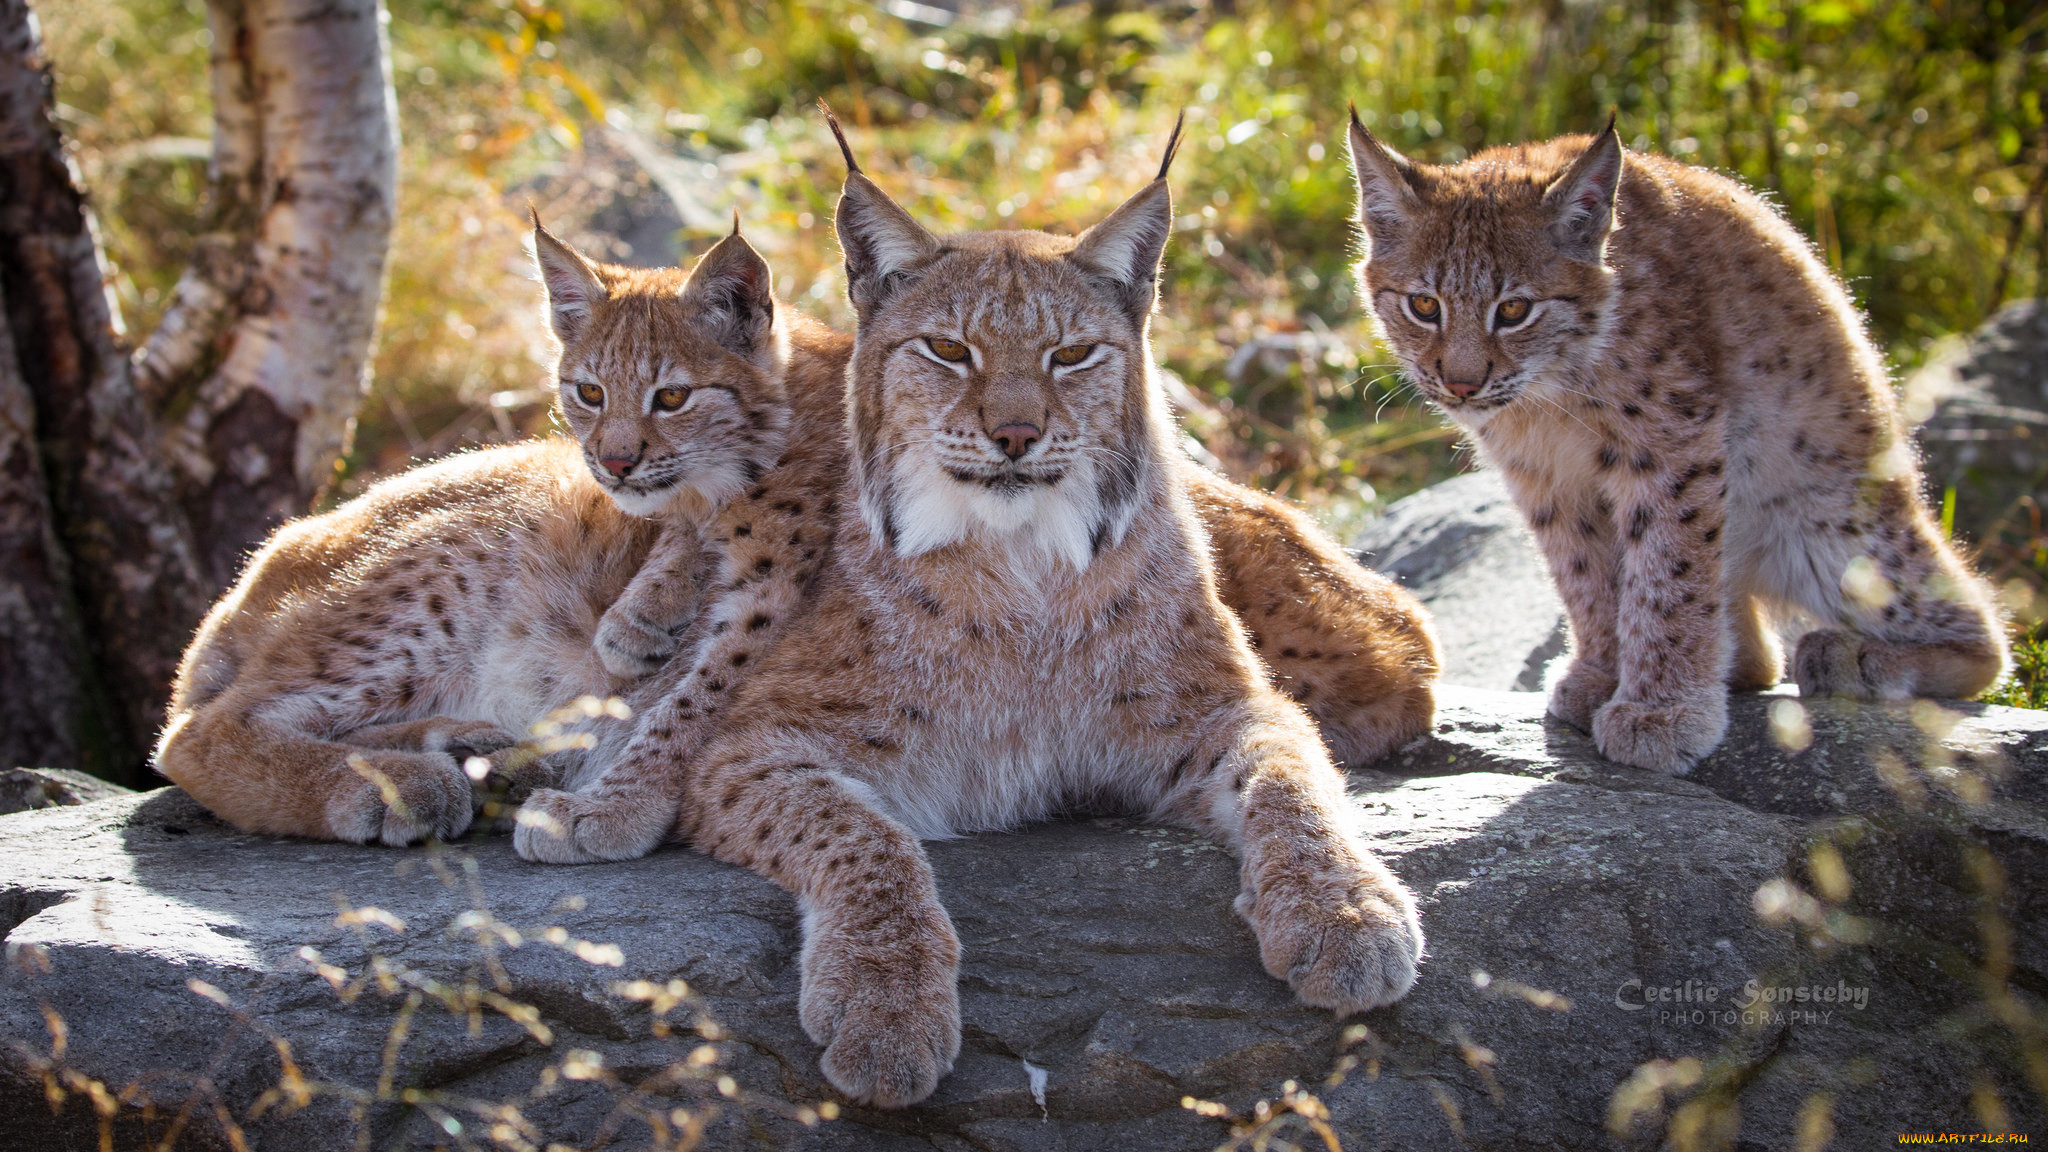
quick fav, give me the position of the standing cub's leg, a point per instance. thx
(1918, 622)
(1348, 644)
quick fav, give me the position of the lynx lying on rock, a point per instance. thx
(1018, 618)
(337, 689)
(1683, 402)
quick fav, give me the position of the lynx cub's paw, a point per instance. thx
(1667, 738)
(1580, 693)
(886, 1007)
(564, 828)
(401, 797)
(1346, 944)
(631, 645)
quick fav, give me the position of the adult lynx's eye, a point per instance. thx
(944, 349)
(1512, 311)
(1425, 307)
(590, 394)
(1072, 354)
(670, 399)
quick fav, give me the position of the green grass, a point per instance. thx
(2027, 687)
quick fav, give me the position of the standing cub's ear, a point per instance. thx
(1582, 200)
(882, 244)
(1126, 247)
(1387, 196)
(731, 292)
(574, 287)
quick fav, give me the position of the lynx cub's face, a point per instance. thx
(1012, 398)
(672, 383)
(1487, 279)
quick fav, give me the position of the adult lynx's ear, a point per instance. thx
(574, 287)
(1582, 200)
(1387, 196)
(732, 292)
(1127, 245)
(881, 242)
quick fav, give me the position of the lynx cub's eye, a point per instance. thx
(1425, 307)
(1072, 354)
(590, 394)
(670, 399)
(950, 350)
(1512, 312)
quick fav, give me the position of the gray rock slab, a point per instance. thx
(1462, 547)
(1984, 410)
(1580, 915)
(24, 788)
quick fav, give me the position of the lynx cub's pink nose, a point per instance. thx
(1462, 389)
(1015, 439)
(619, 465)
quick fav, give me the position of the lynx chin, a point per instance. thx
(962, 666)
(1683, 402)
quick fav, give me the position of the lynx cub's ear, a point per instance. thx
(1126, 247)
(881, 242)
(574, 287)
(732, 292)
(1387, 196)
(1582, 200)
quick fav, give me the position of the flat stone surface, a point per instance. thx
(24, 788)
(1560, 894)
(1461, 546)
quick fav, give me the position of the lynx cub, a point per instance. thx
(1018, 617)
(337, 689)
(1684, 404)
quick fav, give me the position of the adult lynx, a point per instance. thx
(1684, 404)
(1018, 618)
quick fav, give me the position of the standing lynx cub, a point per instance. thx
(1018, 617)
(1683, 402)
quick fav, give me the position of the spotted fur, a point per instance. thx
(999, 636)
(1692, 419)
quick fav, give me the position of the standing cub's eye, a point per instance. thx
(1512, 311)
(590, 394)
(1425, 307)
(670, 399)
(1072, 354)
(950, 350)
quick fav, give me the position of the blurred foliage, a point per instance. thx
(2027, 687)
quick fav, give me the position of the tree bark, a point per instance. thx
(264, 350)
(130, 493)
(132, 567)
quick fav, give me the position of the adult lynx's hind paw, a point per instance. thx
(564, 828)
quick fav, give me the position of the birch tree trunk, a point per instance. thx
(130, 491)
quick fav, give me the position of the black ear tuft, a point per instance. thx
(839, 134)
(1172, 145)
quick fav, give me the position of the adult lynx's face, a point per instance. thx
(672, 383)
(1001, 381)
(1488, 277)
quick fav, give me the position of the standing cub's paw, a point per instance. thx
(564, 828)
(400, 797)
(1345, 945)
(1831, 662)
(631, 645)
(1667, 738)
(885, 1005)
(1580, 693)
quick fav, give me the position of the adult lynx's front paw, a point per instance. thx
(1347, 945)
(564, 828)
(1668, 738)
(630, 645)
(885, 1005)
